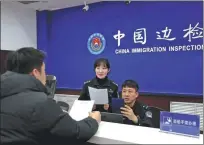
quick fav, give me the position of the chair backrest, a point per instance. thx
(111, 117)
(63, 105)
(51, 82)
(155, 116)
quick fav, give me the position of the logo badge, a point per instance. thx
(96, 43)
(148, 114)
(167, 120)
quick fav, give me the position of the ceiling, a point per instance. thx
(53, 4)
(60, 4)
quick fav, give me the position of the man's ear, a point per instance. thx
(34, 72)
(137, 94)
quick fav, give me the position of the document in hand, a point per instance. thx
(80, 109)
(100, 96)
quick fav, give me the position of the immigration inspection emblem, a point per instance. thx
(96, 43)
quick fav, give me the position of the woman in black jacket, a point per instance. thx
(101, 81)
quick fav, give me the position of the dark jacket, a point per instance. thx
(143, 114)
(104, 84)
(29, 116)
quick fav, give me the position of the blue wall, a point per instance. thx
(64, 34)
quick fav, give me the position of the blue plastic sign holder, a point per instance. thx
(179, 123)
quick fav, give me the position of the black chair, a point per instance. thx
(63, 105)
(111, 117)
(51, 82)
(155, 116)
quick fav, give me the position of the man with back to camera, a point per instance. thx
(134, 112)
(28, 115)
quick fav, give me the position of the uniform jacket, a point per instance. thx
(143, 114)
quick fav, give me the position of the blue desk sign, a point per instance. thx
(177, 123)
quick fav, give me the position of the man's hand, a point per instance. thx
(128, 112)
(95, 115)
(106, 106)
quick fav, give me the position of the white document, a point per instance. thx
(80, 109)
(100, 96)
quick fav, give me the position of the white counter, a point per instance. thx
(114, 133)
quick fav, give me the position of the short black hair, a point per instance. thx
(130, 84)
(25, 59)
(102, 61)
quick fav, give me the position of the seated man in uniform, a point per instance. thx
(134, 112)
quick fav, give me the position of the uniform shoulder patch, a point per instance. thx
(148, 114)
(87, 81)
